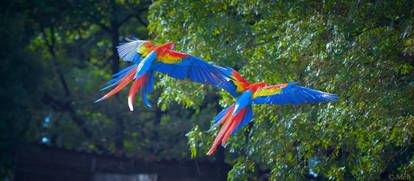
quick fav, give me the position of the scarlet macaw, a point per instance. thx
(148, 58)
(240, 113)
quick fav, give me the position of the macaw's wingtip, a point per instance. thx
(212, 128)
(328, 97)
(333, 98)
(104, 88)
(292, 83)
(99, 100)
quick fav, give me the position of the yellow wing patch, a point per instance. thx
(167, 58)
(268, 91)
(145, 49)
(237, 83)
(239, 86)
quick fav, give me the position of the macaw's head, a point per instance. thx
(256, 86)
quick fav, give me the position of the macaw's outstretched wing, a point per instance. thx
(290, 94)
(187, 67)
(134, 50)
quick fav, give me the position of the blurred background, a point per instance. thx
(56, 55)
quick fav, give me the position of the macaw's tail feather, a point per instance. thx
(145, 84)
(124, 79)
(137, 83)
(118, 77)
(231, 123)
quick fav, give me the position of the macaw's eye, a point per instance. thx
(173, 46)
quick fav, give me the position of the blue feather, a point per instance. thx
(219, 116)
(179, 73)
(193, 75)
(242, 101)
(120, 77)
(143, 90)
(109, 86)
(247, 117)
(144, 98)
(150, 82)
(145, 65)
(124, 70)
(295, 95)
(195, 70)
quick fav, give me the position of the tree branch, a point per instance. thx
(51, 47)
(264, 32)
(125, 19)
(258, 44)
(141, 21)
(66, 106)
(104, 27)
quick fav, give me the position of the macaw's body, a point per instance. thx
(148, 58)
(240, 113)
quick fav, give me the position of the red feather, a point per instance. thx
(137, 83)
(125, 81)
(230, 123)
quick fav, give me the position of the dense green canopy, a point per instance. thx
(362, 51)
(57, 54)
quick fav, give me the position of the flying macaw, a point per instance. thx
(240, 113)
(148, 58)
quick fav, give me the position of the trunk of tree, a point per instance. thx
(115, 42)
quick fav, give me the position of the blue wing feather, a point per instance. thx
(219, 116)
(144, 98)
(150, 82)
(120, 75)
(124, 70)
(247, 118)
(196, 70)
(295, 95)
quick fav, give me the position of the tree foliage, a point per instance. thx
(57, 54)
(360, 50)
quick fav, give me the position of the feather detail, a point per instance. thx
(144, 88)
(128, 78)
(235, 121)
(142, 83)
(231, 122)
(290, 94)
(137, 83)
(128, 51)
(223, 115)
(193, 69)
